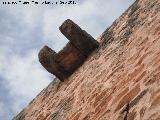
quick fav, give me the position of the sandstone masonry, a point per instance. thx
(118, 81)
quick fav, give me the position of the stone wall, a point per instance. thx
(119, 81)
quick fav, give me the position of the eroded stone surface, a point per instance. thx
(47, 58)
(78, 37)
(72, 56)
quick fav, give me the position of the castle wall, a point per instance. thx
(118, 81)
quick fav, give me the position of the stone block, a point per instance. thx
(78, 37)
(47, 59)
(72, 56)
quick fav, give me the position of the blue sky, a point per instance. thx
(24, 29)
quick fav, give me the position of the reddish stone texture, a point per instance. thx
(76, 117)
(156, 101)
(154, 116)
(119, 96)
(155, 93)
(68, 57)
(128, 97)
(142, 111)
(140, 77)
(99, 97)
(102, 106)
(132, 115)
(119, 81)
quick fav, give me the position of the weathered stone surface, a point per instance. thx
(78, 37)
(119, 81)
(47, 58)
(132, 115)
(128, 97)
(156, 101)
(20, 116)
(72, 56)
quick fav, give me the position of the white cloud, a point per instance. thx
(24, 77)
(3, 110)
(92, 15)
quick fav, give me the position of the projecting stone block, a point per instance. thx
(78, 37)
(47, 59)
(72, 56)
